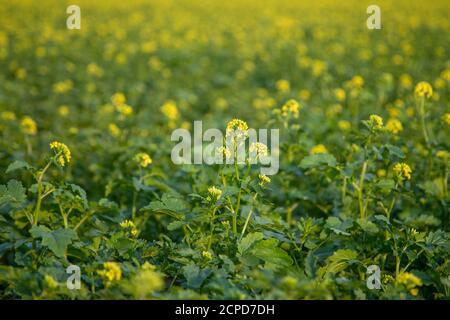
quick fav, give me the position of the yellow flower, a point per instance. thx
(8, 116)
(423, 89)
(357, 82)
(263, 179)
(63, 111)
(442, 154)
(94, 70)
(50, 282)
(207, 255)
(169, 109)
(62, 152)
(409, 281)
(402, 170)
(111, 272)
(381, 173)
(446, 118)
(28, 126)
(145, 282)
(405, 80)
(214, 193)
(344, 125)
(118, 99)
(339, 93)
(129, 226)
(114, 130)
(260, 149)
(376, 122)
(304, 94)
(143, 159)
(320, 148)
(237, 128)
(394, 126)
(282, 85)
(63, 86)
(223, 152)
(124, 110)
(291, 107)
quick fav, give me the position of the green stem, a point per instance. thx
(211, 227)
(39, 195)
(360, 191)
(422, 121)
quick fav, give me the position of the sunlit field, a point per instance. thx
(87, 181)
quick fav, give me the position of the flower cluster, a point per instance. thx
(129, 225)
(214, 193)
(423, 89)
(402, 170)
(111, 272)
(410, 281)
(62, 152)
(143, 159)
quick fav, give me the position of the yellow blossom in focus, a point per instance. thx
(263, 179)
(207, 255)
(423, 89)
(143, 159)
(129, 226)
(62, 152)
(260, 149)
(28, 126)
(320, 148)
(237, 128)
(376, 122)
(394, 126)
(214, 193)
(402, 170)
(291, 107)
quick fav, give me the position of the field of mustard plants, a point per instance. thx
(88, 185)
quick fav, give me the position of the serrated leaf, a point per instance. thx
(57, 240)
(247, 241)
(18, 164)
(13, 193)
(195, 276)
(269, 251)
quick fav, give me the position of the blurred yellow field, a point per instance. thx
(88, 177)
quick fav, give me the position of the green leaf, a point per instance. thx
(317, 160)
(386, 184)
(247, 241)
(18, 164)
(175, 225)
(195, 276)
(340, 260)
(367, 225)
(57, 240)
(13, 193)
(269, 251)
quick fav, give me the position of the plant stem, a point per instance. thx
(422, 121)
(39, 195)
(360, 191)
